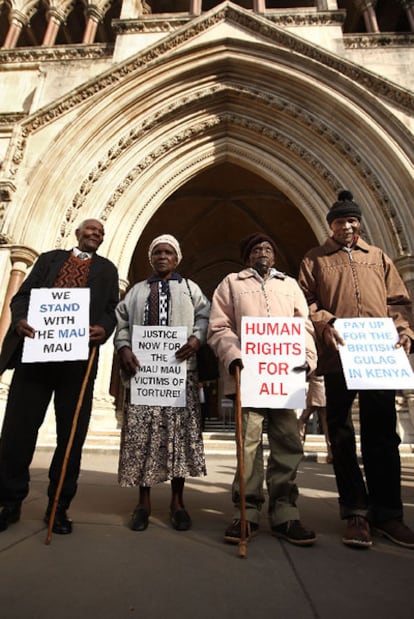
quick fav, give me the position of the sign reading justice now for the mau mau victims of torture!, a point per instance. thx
(60, 317)
(271, 349)
(161, 379)
(369, 358)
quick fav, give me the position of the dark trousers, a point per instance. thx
(380, 497)
(31, 390)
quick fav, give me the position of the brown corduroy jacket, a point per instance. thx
(360, 283)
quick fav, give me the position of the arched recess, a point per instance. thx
(256, 98)
(211, 213)
(123, 143)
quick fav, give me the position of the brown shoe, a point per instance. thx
(397, 532)
(232, 534)
(357, 534)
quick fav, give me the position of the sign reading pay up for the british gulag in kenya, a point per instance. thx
(60, 317)
(271, 349)
(161, 379)
(369, 358)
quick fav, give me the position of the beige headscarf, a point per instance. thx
(170, 240)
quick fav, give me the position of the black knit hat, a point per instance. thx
(247, 244)
(344, 207)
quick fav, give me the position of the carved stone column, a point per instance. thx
(19, 18)
(367, 8)
(408, 5)
(259, 6)
(96, 13)
(57, 16)
(21, 258)
(18, 21)
(195, 7)
(405, 266)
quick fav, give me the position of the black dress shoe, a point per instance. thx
(62, 525)
(8, 515)
(139, 520)
(180, 520)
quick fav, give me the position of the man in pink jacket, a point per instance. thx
(261, 290)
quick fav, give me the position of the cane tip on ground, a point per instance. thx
(242, 551)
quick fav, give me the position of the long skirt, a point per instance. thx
(159, 443)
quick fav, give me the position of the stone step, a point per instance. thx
(221, 442)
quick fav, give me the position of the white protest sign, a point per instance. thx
(271, 349)
(60, 317)
(161, 379)
(369, 358)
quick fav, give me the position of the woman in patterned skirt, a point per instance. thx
(160, 443)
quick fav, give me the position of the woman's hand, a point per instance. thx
(190, 347)
(129, 362)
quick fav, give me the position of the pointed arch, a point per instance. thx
(119, 145)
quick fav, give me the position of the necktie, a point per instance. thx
(83, 255)
(153, 309)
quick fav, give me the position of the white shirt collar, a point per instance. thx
(272, 273)
(77, 251)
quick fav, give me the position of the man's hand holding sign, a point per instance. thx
(60, 331)
(373, 356)
(272, 351)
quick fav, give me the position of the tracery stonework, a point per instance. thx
(398, 96)
(261, 129)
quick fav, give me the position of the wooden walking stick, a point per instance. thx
(69, 445)
(240, 466)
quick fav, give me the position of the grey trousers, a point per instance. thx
(286, 453)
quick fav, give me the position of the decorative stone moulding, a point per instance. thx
(226, 119)
(376, 40)
(61, 53)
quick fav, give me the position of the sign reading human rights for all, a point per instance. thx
(271, 350)
(369, 358)
(60, 317)
(161, 379)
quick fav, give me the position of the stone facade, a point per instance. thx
(207, 124)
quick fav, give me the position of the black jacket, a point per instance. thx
(104, 290)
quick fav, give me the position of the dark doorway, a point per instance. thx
(210, 214)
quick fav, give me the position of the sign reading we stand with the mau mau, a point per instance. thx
(60, 317)
(369, 357)
(272, 348)
(161, 378)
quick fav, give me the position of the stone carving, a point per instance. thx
(380, 39)
(278, 37)
(22, 10)
(59, 53)
(386, 90)
(143, 7)
(59, 9)
(261, 129)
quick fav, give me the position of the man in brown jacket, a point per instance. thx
(346, 278)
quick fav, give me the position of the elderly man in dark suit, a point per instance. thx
(33, 384)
